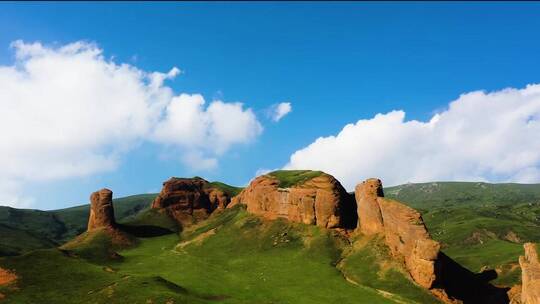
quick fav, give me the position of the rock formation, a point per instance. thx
(530, 275)
(366, 195)
(320, 200)
(101, 210)
(189, 200)
(408, 239)
(403, 230)
(7, 277)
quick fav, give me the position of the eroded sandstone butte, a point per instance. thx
(189, 200)
(403, 230)
(319, 200)
(530, 275)
(409, 241)
(101, 210)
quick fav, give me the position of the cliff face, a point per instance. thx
(189, 200)
(320, 200)
(530, 275)
(101, 210)
(403, 230)
(407, 236)
(409, 241)
(366, 194)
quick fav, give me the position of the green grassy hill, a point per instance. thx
(243, 259)
(289, 178)
(234, 257)
(446, 194)
(35, 229)
(482, 226)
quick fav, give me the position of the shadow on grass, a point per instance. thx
(460, 283)
(145, 231)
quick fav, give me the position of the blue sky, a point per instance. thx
(336, 63)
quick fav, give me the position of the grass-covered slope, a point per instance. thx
(228, 189)
(234, 257)
(44, 229)
(289, 178)
(482, 226)
(14, 241)
(446, 194)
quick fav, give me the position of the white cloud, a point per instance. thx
(278, 111)
(67, 111)
(205, 131)
(481, 136)
(10, 193)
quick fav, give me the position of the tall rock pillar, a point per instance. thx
(370, 219)
(101, 210)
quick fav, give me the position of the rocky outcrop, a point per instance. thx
(403, 230)
(7, 277)
(189, 200)
(407, 237)
(101, 210)
(320, 200)
(530, 275)
(409, 241)
(366, 195)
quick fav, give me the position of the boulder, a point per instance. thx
(319, 200)
(530, 275)
(101, 210)
(189, 200)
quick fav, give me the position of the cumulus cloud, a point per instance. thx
(215, 129)
(68, 111)
(480, 137)
(278, 111)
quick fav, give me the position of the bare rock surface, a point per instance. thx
(7, 277)
(320, 200)
(403, 229)
(530, 275)
(409, 241)
(366, 194)
(101, 210)
(407, 236)
(189, 200)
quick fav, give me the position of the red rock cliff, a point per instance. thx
(190, 199)
(101, 210)
(366, 195)
(403, 230)
(530, 275)
(320, 201)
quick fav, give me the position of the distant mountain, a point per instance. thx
(439, 194)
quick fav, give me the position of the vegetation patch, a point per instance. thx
(99, 246)
(290, 178)
(369, 263)
(227, 189)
